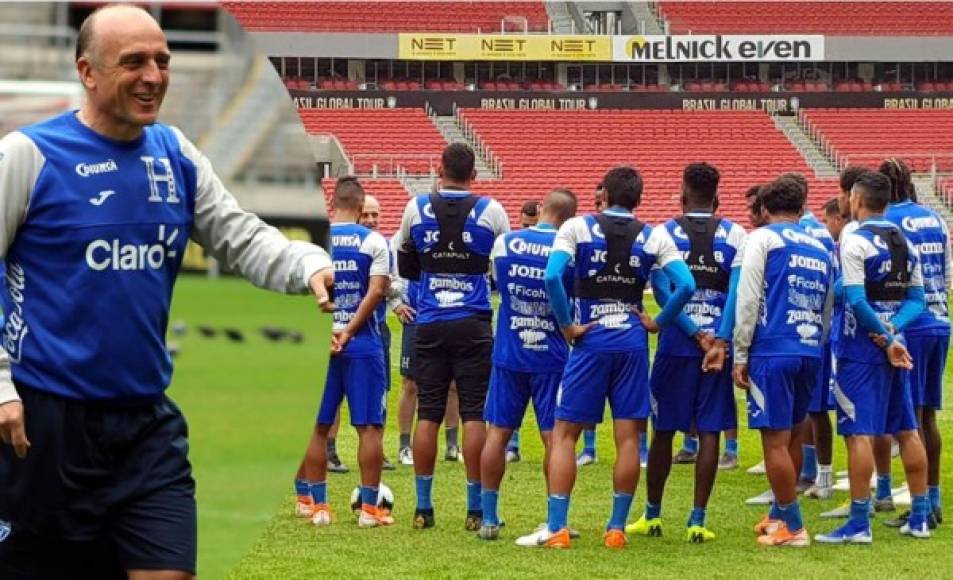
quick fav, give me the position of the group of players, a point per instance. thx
(807, 317)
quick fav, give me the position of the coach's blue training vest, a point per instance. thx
(706, 305)
(854, 342)
(619, 329)
(527, 334)
(922, 227)
(452, 296)
(351, 281)
(796, 280)
(91, 270)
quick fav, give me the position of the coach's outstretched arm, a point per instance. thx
(249, 246)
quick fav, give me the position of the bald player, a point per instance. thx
(95, 480)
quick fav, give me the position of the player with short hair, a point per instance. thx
(779, 325)
(97, 207)
(689, 388)
(356, 370)
(529, 352)
(883, 287)
(613, 254)
(928, 336)
(445, 240)
(588, 454)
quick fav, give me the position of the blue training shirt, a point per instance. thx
(358, 253)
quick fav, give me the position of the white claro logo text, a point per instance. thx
(102, 255)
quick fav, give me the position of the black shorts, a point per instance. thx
(103, 489)
(385, 338)
(408, 340)
(457, 350)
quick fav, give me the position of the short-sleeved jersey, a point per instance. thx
(618, 329)
(528, 338)
(785, 277)
(929, 234)
(865, 257)
(706, 306)
(452, 296)
(358, 253)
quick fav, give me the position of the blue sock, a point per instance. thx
(473, 495)
(424, 487)
(369, 494)
(809, 463)
(514, 444)
(775, 512)
(791, 514)
(653, 510)
(558, 512)
(860, 511)
(644, 443)
(933, 492)
(489, 500)
(302, 488)
(920, 505)
(731, 447)
(621, 503)
(319, 492)
(698, 517)
(589, 442)
(883, 486)
(690, 444)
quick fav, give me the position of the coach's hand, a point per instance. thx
(899, 356)
(405, 314)
(740, 375)
(715, 357)
(647, 321)
(320, 284)
(13, 427)
(574, 332)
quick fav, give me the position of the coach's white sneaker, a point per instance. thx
(766, 498)
(756, 469)
(321, 515)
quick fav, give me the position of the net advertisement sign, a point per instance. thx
(504, 47)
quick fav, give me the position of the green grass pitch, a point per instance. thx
(250, 407)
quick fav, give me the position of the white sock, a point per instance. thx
(823, 476)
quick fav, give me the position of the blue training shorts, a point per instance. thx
(821, 392)
(510, 393)
(683, 395)
(929, 363)
(780, 390)
(591, 378)
(363, 381)
(873, 399)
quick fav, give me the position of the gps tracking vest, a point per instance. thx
(892, 287)
(616, 280)
(701, 261)
(452, 255)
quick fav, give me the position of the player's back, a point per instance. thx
(709, 244)
(353, 248)
(527, 334)
(797, 277)
(929, 234)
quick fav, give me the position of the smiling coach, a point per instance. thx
(96, 208)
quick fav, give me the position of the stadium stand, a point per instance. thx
(543, 149)
(784, 17)
(380, 141)
(391, 16)
(866, 136)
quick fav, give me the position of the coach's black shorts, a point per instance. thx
(102, 490)
(385, 338)
(408, 344)
(453, 350)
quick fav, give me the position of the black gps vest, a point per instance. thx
(616, 280)
(701, 257)
(450, 255)
(895, 284)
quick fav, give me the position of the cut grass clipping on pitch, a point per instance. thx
(250, 407)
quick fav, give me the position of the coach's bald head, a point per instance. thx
(558, 206)
(122, 58)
